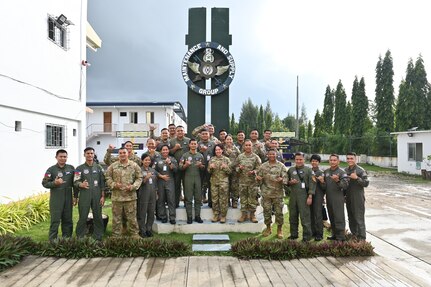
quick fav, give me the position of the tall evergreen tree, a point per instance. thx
(405, 102)
(421, 89)
(260, 120)
(233, 126)
(349, 109)
(309, 131)
(340, 112)
(290, 122)
(277, 125)
(359, 115)
(328, 110)
(248, 116)
(268, 115)
(318, 125)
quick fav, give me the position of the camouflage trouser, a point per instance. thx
(220, 197)
(268, 203)
(129, 208)
(234, 187)
(248, 196)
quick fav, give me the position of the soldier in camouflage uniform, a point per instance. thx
(240, 138)
(192, 163)
(271, 175)
(59, 179)
(318, 198)
(178, 146)
(219, 167)
(232, 152)
(336, 180)
(355, 197)
(166, 167)
(124, 177)
(257, 147)
(301, 197)
(246, 166)
(210, 128)
(89, 193)
(109, 159)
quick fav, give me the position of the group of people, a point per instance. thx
(205, 169)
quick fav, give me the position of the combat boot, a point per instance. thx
(280, 231)
(215, 218)
(243, 216)
(253, 217)
(267, 231)
(223, 219)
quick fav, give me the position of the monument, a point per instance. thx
(208, 68)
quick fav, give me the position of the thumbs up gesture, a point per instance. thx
(84, 184)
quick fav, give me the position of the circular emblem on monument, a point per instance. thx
(208, 60)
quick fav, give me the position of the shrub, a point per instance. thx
(253, 248)
(12, 249)
(24, 213)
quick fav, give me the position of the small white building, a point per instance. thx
(117, 122)
(414, 151)
(42, 89)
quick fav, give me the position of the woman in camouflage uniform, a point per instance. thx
(219, 167)
(232, 152)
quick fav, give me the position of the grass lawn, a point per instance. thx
(39, 232)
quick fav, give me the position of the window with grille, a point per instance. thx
(415, 151)
(55, 136)
(57, 33)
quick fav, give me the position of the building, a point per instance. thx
(43, 89)
(414, 151)
(116, 122)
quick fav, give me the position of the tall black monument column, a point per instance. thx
(196, 102)
(220, 34)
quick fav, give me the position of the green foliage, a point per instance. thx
(360, 119)
(260, 120)
(13, 249)
(253, 248)
(22, 214)
(248, 116)
(268, 114)
(328, 110)
(290, 122)
(341, 118)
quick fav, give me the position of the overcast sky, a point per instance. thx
(273, 42)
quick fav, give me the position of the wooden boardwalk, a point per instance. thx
(210, 271)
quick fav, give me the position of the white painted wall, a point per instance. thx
(40, 83)
(404, 165)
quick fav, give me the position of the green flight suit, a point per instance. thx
(192, 183)
(89, 198)
(60, 199)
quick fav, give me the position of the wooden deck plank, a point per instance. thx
(249, 273)
(285, 277)
(179, 277)
(155, 272)
(193, 272)
(304, 273)
(260, 272)
(398, 272)
(69, 277)
(350, 271)
(309, 266)
(214, 275)
(144, 272)
(321, 269)
(119, 273)
(46, 273)
(238, 276)
(39, 267)
(109, 271)
(335, 276)
(225, 270)
(132, 272)
(91, 272)
(272, 273)
(168, 272)
(53, 277)
(363, 270)
(298, 279)
(15, 273)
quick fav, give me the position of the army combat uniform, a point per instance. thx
(247, 182)
(179, 175)
(220, 185)
(166, 188)
(232, 153)
(110, 159)
(147, 201)
(60, 199)
(272, 191)
(298, 207)
(317, 206)
(355, 201)
(89, 198)
(192, 183)
(335, 201)
(122, 199)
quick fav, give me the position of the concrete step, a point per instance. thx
(211, 247)
(207, 213)
(211, 242)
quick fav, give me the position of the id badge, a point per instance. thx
(150, 180)
(96, 183)
(302, 184)
(165, 168)
(208, 157)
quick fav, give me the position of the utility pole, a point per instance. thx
(297, 107)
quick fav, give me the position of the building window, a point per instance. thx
(150, 117)
(18, 126)
(123, 114)
(74, 132)
(55, 136)
(415, 151)
(133, 117)
(59, 34)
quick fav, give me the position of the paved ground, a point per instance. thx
(398, 220)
